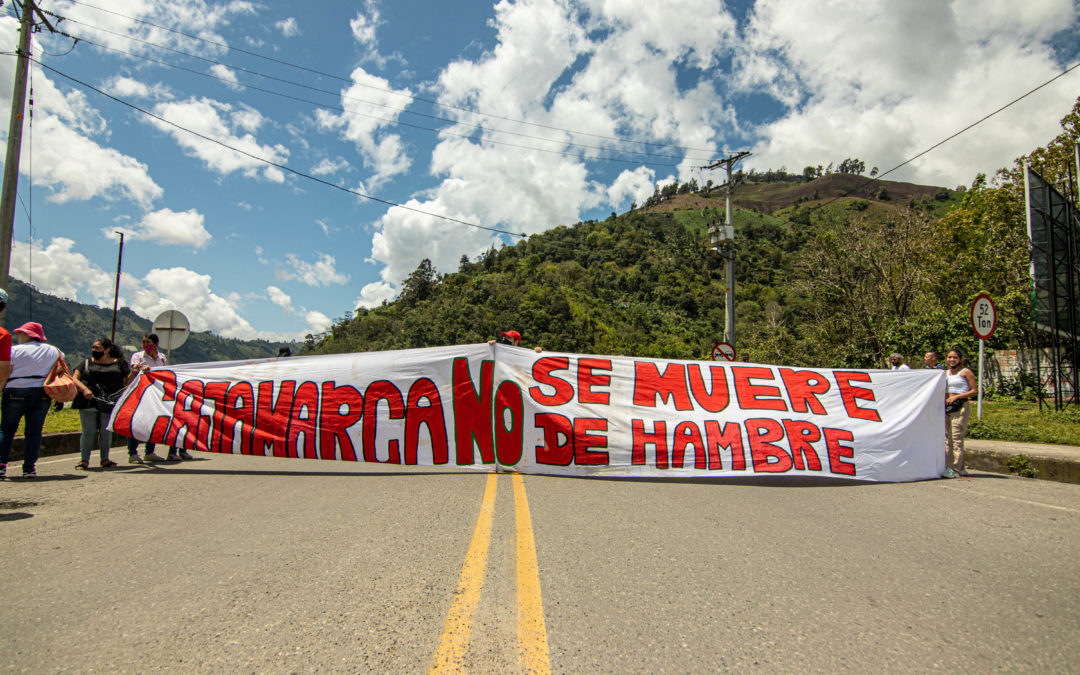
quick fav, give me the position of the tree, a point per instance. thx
(420, 284)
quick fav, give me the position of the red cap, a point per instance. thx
(512, 334)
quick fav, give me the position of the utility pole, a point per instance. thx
(723, 240)
(10, 185)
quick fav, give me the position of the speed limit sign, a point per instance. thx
(983, 316)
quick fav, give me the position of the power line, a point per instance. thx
(355, 113)
(349, 80)
(283, 167)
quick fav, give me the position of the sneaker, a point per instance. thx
(151, 457)
(134, 459)
(949, 473)
(29, 474)
(184, 454)
(173, 457)
(963, 472)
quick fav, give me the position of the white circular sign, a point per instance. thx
(983, 316)
(172, 329)
(723, 350)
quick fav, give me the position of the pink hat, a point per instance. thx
(31, 329)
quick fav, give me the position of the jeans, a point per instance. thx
(15, 404)
(133, 447)
(95, 425)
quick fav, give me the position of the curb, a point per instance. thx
(1050, 466)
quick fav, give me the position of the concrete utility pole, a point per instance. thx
(723, 240)
(8, 188)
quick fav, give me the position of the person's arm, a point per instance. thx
(5, 373)
(77, 376)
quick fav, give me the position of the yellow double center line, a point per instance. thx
(531, 632)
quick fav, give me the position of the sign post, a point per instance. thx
(983, 322)
(723, 350)
(172, 329)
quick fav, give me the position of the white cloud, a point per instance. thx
(859, 85)
(322, 272)
(226, 75)
(319, 322)
(375, 293)
(371, 106)
(166, 226)
(231, 127)
(280, 298)
(328, 167)
(288, 27)
(636, 185)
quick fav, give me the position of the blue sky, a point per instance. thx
(515, 116)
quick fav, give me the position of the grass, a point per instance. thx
(1022, 422)
(1003, 420)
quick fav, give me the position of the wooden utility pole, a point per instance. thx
(726, 246)
(9, 188)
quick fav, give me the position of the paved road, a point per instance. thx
(230, 564)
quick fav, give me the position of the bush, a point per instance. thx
(1022, 466)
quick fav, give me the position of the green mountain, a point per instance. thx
(646, 283)
(73, 326)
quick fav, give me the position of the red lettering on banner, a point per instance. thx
(122, 423)
(553, 451)
(763, 432)
(541, 372)
(803, 388)
(837, 452)
(649, 383)
(729, 436)
(717, 398)
(185, 415)
(657, 438)
(509, 443)
(687, 433)
(334, 424)
(472, 412)
(430, 415)
(583, 440)
(216, 392)
(239, 408)
(587, 379)
(800, 435)
(849, 393)
(751, 395)
(306, 400)
(381, 390)
(272, 418)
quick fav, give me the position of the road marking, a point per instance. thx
(1013, 499)
(450, 657)
(532, 633)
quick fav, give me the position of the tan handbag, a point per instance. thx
(60, 383)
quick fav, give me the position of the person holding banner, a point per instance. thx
(959, 389)
(141, 362)
(514, 339)
(106, 375)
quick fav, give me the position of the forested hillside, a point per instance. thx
(72, 326)
(832, 270)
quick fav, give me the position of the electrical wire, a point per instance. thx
(355, 113)
(349, 80)
(283, 167)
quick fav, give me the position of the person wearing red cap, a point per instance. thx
(514, 338)
(24, 395)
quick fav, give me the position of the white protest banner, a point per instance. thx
(475, 406)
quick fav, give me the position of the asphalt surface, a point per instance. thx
(241, 564)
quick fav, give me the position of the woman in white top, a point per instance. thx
(24, 395)
(959, 389)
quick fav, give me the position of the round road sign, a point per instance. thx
(172, 329)
(983, 316)
(723, 350)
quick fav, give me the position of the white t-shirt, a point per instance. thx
(31, 363)
(139, 359)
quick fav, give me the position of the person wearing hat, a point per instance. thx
(5, 344)
(24, 395)
(514, 339)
